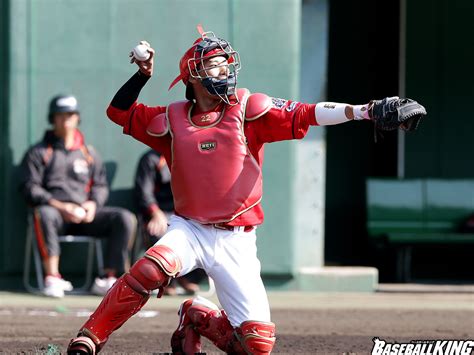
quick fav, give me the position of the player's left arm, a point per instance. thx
(286, 119)
(282, 119)
(388, 114)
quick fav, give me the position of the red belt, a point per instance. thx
(231, 228)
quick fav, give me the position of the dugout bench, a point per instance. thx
(410, 213)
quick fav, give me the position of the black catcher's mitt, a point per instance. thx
(392, 113)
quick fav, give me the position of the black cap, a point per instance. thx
(62, 103)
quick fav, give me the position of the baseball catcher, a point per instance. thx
(213, 143)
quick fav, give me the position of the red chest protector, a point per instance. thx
(214, 176)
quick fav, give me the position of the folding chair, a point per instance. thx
(32, 248)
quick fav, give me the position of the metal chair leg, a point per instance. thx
(26, 264)
(38, 268)
(100, 256)
(89, 265)
(31, 251)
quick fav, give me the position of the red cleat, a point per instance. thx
(185, 340)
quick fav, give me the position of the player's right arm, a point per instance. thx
(32, 172)
(125, 110)
(31, 177)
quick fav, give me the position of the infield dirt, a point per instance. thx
(306, 322)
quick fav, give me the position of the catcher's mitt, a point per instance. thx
(392, 113)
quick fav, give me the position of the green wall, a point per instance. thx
(81, 47)
(5, 153)
(439, 73)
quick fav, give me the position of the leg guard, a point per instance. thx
(256, 337)
(126, 297)
(201, 317)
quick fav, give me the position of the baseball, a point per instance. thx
(140, 52)
(79, 212)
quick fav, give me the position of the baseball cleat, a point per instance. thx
(185, 339)
(81, 346)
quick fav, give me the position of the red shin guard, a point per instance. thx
(256, 337)
(122, 301)
(200, 317)
(128, 295)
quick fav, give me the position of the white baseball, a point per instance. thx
(80, 212)
(140, 52)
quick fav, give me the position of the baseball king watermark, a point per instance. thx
(423, 347)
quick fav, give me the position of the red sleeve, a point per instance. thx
(136, 118)
(152, 209)
(284, 121)
(135, 121)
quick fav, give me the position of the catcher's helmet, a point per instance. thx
(62, 103)
(192, 65)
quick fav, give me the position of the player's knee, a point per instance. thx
(156, 268)
(147, 274)
(47, 213)
(165, 258)
(126, 220)
(256, 337)
(200, 310)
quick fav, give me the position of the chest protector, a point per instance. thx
(214, 176)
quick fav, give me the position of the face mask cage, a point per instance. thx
(211, 47)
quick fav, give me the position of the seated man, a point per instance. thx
(65, 182)
(154, 200)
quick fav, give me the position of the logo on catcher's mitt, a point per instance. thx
(427, 347)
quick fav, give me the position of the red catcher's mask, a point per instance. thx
(192, 65)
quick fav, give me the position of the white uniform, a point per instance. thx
(229, 258)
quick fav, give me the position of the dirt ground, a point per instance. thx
(312, 324)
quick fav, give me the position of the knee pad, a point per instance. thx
(197, 317)
(127, 219)
(165, 258)
(256, 337)
(155, 269)
(200, 311)
(203, 317)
